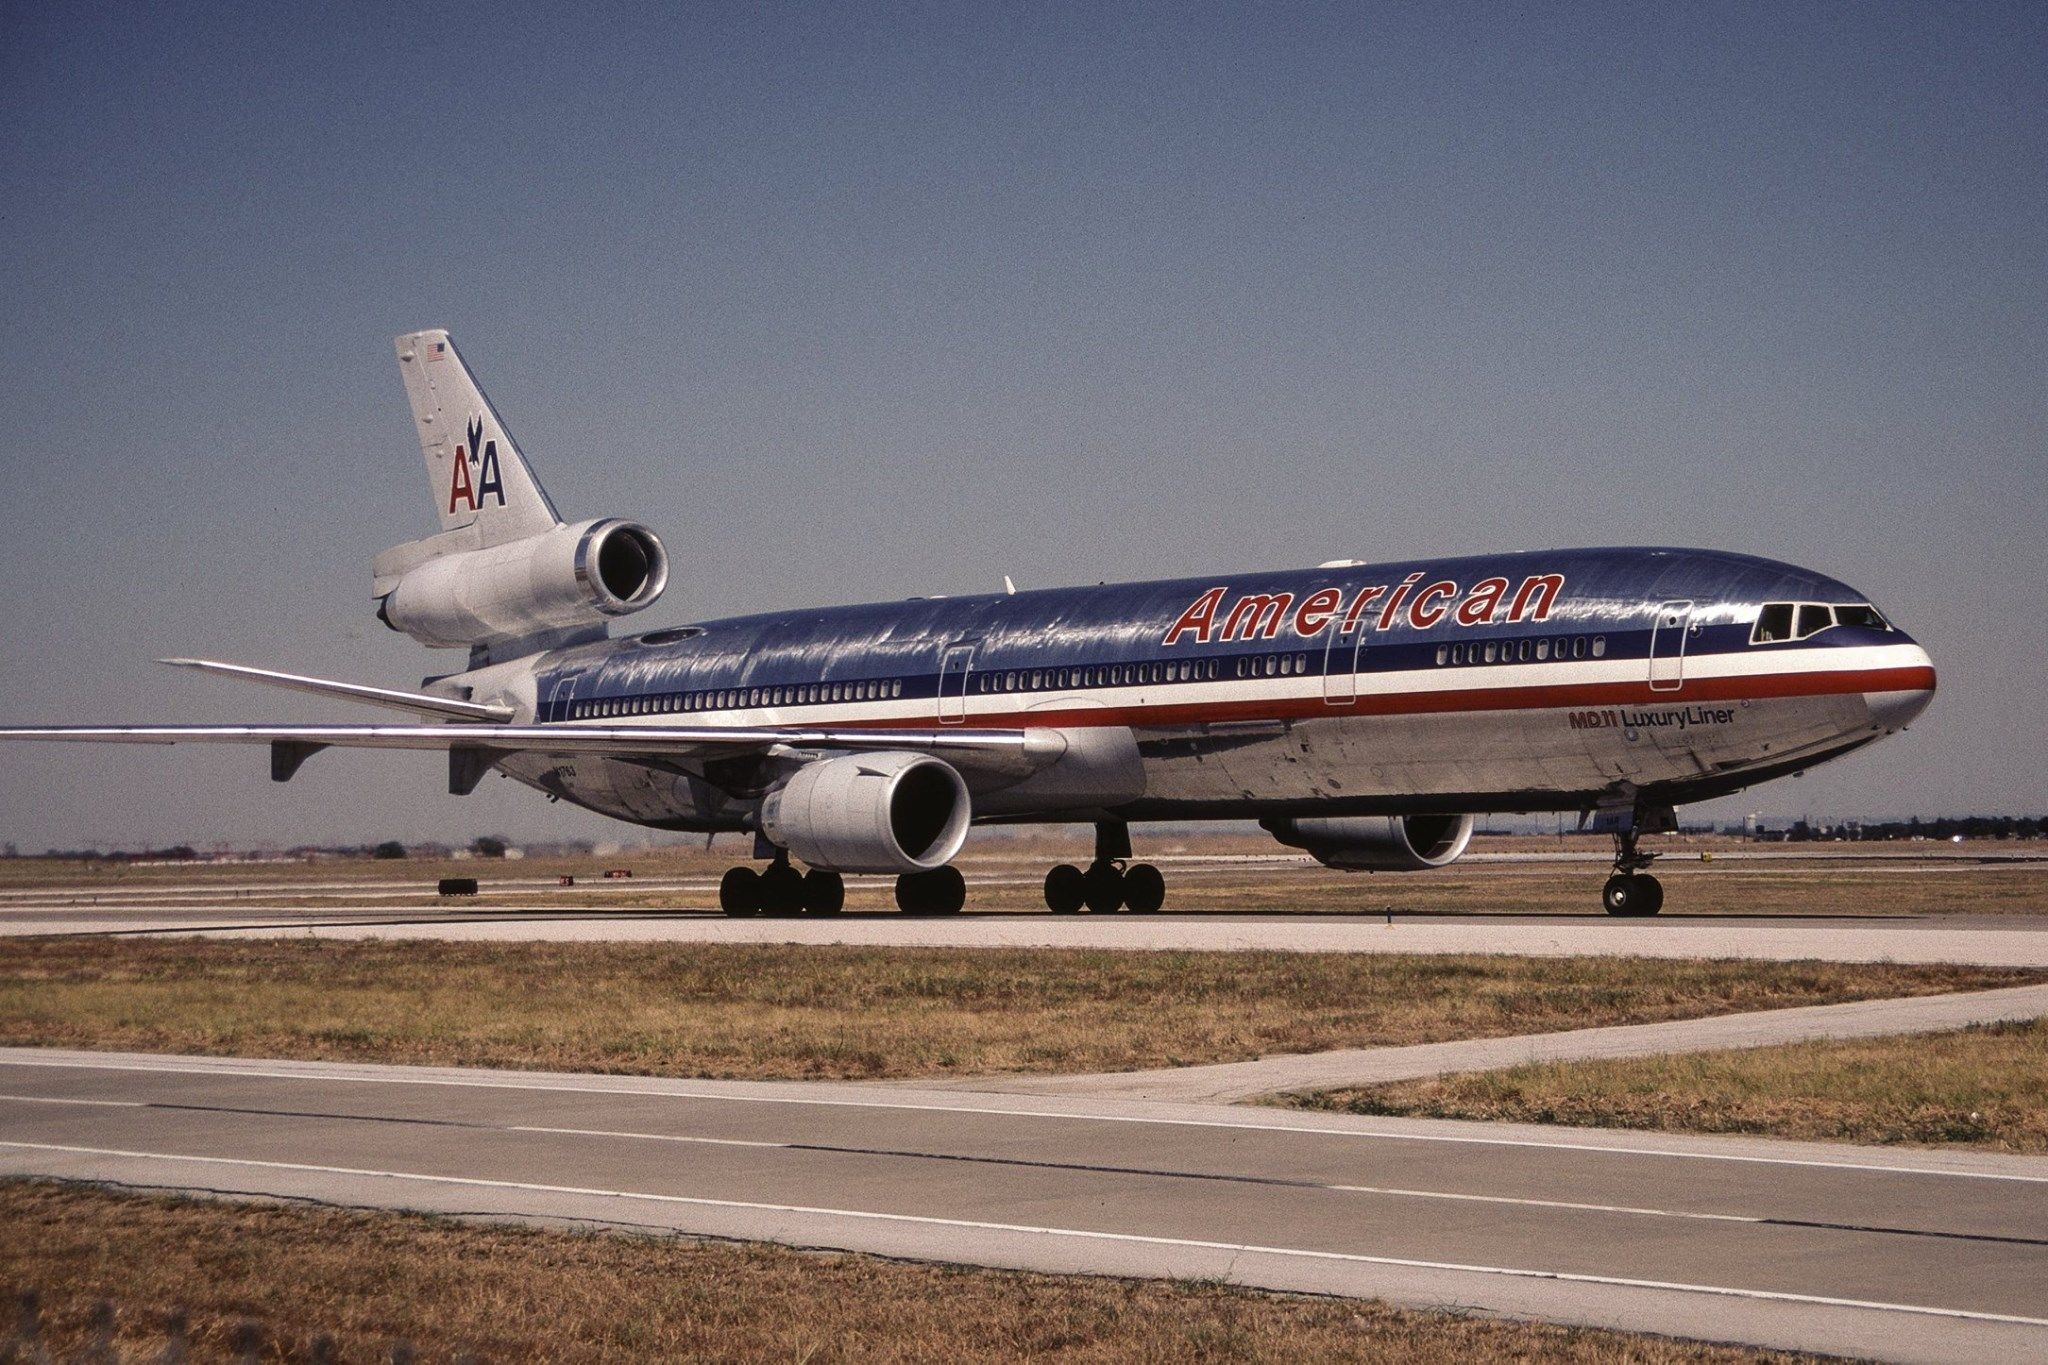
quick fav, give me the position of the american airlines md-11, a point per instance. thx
(1362, 712)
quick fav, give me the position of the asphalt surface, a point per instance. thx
(1993, 941)
(1229, 1082)
(1893, 1254)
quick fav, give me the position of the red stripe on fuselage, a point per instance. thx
(1536, 697)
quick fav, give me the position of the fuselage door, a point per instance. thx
(1341, 659)
(562, 697)
(954, 665)
(1667, 646)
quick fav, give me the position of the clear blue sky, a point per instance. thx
(867, 301)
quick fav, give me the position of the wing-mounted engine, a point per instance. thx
(892, 811)
(1377, 843)
(565, 578)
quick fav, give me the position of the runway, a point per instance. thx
(1979, 940)
(1887, 1253)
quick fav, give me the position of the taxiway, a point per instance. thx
(1893, 1254)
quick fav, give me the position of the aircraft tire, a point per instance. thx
(1632, 895)
(1066, 889)
(949, 890)
(941, 891)
(782, 891)
(739, 892)
(1144, 889)
(824, 892)
(1105, 888)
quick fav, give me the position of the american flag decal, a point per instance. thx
(437, 350)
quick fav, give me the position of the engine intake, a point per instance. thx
(883, 812)
(1377, 843)
(578, 575)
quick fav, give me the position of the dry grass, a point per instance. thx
(1979, 1087)
(366, 1281)
(815, 1012)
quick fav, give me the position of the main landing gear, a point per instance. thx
(1631, 890)
(1111, 883)
(780, 891)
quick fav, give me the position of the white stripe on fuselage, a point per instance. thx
(986, 707)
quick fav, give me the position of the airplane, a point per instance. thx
(1364, 713)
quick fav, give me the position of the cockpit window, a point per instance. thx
(1773, 623)
(1777, 622)
(1861, 614)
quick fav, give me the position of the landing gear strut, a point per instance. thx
(1111, 883)
(1631, 890)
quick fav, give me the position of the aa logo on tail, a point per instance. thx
(467, 491)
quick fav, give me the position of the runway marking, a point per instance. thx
(1541, 1144)
(1140, 1239)
(676, 1137)
(106, 1104)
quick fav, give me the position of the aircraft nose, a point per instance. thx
(1896, 707)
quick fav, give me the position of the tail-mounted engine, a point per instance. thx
(566, 577)
(1377, 843)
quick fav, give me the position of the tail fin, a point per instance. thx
(477, 474)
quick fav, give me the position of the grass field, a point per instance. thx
(1206, 872)
(299, 1283)
(779, 1011)
(1980, 1087)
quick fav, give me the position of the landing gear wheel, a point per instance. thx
(1103, 888)
(942, 891)
(782, 891)
(739, 891)
(1144, 889)
(1066, 889)
(1632, 894)
(824, 892)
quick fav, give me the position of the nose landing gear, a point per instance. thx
(1111, 883)
(1631, 891)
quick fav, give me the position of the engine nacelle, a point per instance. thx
(568, 576)
(882, 812)
(1377, 843)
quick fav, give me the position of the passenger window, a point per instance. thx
(1542, 650)
(1301, 663)
(1443, 653)
(1492, 652)
(1599, 645)
(1814, 617)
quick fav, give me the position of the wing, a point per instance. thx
(418, 703)
(996, 752)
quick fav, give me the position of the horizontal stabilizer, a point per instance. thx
(418, 703)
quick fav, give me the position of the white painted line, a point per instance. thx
(552, 1087)
(646, 1137)
(1240, 1248)
(53, 1099)
(1549, 1204)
